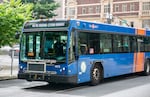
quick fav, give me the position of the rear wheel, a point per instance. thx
(96, 75)
(147, 68)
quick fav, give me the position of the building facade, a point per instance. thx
(135, 13)
(60, 11)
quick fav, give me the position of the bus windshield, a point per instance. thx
(44, 45)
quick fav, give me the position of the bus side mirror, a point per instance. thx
(76, 57)
(17, 35)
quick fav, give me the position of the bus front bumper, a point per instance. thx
(48, 77)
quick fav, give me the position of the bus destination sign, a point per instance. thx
(45, 24)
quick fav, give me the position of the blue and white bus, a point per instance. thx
(76, 51)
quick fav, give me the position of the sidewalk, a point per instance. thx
(6, 74)
(5, 67)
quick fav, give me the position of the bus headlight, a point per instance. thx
(22, 69)
(64, 69)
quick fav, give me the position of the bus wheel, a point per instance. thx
(147, 68)
(96, 75)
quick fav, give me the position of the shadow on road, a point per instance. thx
(110, 85)
(70, 87)
(54, 87)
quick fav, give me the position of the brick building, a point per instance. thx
(120, 12)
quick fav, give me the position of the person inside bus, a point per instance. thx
(48, 45)
(83, 48)
(58, 47)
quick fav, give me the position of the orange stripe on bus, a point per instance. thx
(139, 62)
(139, 57)
(141, 32)
(134, 65)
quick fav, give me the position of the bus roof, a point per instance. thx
(103, 27)
(94, 26)
(97, 26)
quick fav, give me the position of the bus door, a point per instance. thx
(83, 61)
(139, 56)
(83, 69)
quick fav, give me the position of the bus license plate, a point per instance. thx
(38, 77)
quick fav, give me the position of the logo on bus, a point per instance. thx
(93, 26)
(83, 67)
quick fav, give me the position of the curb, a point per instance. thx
(2, 78)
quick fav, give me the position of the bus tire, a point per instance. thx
(96, 75)
(146, 68)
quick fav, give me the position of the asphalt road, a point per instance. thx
(124, 86)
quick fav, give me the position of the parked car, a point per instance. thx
(16, 50)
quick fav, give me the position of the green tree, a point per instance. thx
(12, 16)
(43, 8)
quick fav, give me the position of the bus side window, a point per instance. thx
(147, 44)
(141, 46)
(126, 44)
(117, 43)
(133, 43)
(105, 43)
(83, 43)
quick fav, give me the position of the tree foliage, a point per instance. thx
(43, 8)
(12, 16)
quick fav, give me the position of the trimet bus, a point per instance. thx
(76, 51)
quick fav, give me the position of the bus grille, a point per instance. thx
(36, 67)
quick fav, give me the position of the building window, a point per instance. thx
(90, 10)
(116, 8)
(105, 8)
(97, 9)
(71, 11)
(146, 24)
(124, 7)
(146, 5)
(83, 10)
(132, 7)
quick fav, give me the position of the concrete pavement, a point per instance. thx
(5, 67)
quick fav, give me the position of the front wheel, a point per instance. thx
(96, 75)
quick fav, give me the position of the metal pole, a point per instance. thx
(12, 59)
(109, 18)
